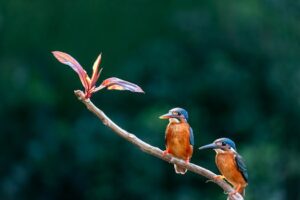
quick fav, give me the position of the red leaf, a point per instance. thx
(66, 59)
(114, 83)
(89, 83)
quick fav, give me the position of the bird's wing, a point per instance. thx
(191, 136)
(241, 166)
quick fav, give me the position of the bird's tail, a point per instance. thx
(242, 191)
(179, 169)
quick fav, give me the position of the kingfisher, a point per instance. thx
(179, 137)
(230, 164)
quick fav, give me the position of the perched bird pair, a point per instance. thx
(179, 141)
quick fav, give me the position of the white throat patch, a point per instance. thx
(222, 151)
(219, 151)
(174, 120)
(232, 149)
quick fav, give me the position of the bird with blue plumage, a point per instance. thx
(179, 137)
(230, 164)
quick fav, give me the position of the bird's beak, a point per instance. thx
(166, 116)
(209, 146)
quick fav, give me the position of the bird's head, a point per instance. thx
(221, 145)
(176, 115)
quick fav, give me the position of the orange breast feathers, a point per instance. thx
(227, 165)
(177, 140)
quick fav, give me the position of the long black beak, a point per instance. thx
(209, 146)
(167, 116)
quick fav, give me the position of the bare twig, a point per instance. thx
(154, 151)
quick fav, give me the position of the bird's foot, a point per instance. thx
(165, 152)
(216, 178)
(187, 161)
(231, 194)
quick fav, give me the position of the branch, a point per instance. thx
(154, 151)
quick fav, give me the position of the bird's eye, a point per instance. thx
(223, 144)
(175, 113)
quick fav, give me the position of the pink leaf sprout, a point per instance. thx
(88, 83)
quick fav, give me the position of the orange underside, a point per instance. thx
(228, 168)
(178, 140)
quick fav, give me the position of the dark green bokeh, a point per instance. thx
(233, 65)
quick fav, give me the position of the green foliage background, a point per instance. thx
(234, 65)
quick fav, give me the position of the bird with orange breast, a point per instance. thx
(230, 164)
(179, 138)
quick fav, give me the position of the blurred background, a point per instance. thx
(234, 66)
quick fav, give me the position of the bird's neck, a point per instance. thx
(176, 121)
(221, 151)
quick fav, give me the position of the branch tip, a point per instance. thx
(79, 94)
